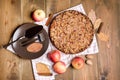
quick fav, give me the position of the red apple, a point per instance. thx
(59, 67)
(77, 62)
(54, 56)
(38, 15)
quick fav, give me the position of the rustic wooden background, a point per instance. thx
(106, 64)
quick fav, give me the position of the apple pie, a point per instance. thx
(42, 69)
(34, 47)
(71, 32)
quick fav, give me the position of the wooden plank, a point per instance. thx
(50, 7)
(68, 75)
(54, 6)
(10, 19)
(75, 2)
(88, 72)
(105, 64)
(89, 4)
(62, 5)
(28, 6)
(109, 56)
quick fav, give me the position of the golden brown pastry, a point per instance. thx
(71, 32)
(34, 47)
(42, 69)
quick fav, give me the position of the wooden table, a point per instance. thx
(106, 64)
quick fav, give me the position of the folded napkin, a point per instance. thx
(93, 49)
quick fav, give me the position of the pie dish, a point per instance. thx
(71, 32)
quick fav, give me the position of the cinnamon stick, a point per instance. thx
(45, 74)
(49, 19)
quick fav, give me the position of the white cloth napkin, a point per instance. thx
(65, 57)
(93, 49)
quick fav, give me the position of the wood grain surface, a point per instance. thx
(106, 64)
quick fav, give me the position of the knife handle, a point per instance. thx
(29, 42)
(5, 46)
(49, 19)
